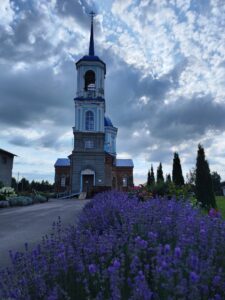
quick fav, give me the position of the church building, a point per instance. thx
(93, 165)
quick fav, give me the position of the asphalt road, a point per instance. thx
(19, 225)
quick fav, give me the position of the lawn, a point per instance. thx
(220, 201)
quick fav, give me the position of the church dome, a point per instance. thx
(108, 122)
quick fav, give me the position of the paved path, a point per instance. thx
(19, 225)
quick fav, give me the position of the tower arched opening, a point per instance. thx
(89, 81)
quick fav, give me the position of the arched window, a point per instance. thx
(89, 120)
(89, 79)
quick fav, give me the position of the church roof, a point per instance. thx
(91, 45)
(91, 58)
(108, 122)
(124, 163)
(62, 162)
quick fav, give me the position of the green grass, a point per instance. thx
(220, 201)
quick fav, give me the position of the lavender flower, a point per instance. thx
(124, 249)
(177, 252)
(194, 277)
(92, 269)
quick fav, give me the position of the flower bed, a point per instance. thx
(125, 249)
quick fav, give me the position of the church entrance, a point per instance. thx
(88, 183)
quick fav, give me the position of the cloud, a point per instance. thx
(35, 94)
(164, 83)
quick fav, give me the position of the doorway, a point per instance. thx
(88, 183)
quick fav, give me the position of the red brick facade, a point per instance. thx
(118, 177)
(62, 179)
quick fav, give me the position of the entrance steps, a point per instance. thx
(69, 196)
(82, 196)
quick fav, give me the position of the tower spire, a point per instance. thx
(91, 45)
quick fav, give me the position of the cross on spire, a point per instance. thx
(91, 45)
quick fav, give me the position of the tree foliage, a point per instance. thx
(152, 175)
(160, 177)
(25, 185)
(177, 175)
(203, 182)
(191, 177)
(168, 178)
(149, 178)
(216, 180)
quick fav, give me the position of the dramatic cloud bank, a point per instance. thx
(164, 86)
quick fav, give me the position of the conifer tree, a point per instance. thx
(203, 181)
(178, 178)
(168, 178)
(149, 178)
(160, 177)
(152, 175)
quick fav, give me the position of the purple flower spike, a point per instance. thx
(194, 277)
(142, 244)
(116, 264)
(122, 248)
(177, 252)
(92, 269)
(167, 248)
(216, 280)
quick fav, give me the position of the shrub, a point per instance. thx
(6, 192)
(141, 192)
(179, 191)
(2, 197)
(20, 201)
(39, 199)
(124, 249)
(4, 204)
(159, 189)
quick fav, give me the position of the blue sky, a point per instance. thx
(164, 84)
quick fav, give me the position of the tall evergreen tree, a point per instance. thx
(152, 175)
(178, 178)
(203, 181)
(160, 177)
(168, 178)
(149, 178)
(216, 180)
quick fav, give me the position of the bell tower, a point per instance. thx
(90, 77)
(92, 166)
(88, 157)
